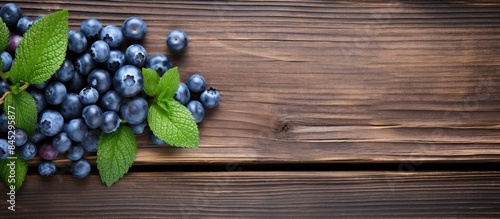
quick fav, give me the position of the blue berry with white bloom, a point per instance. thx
(196, 83)
(76, 84)
(112, 35)
(71, 107)
(99, 51)
(4, 149)
(134, 110)
(210, 98)
(160, 63)
(66, 71)
(27, 151)
(75, 152)
(20, 137)
(24, 24)
(89, 95)
(80, 168)
(10, 14)
(50, 123)
(100, 80)
(6, 61)
(84, 64)
(128, 81)
(111, 100)
(138, 128)
(61, 142)
(55, 93)
(182, 94)
(77, 42)
(92, 115)
(90, 142)
(46, 168)
(40, 101)
(134, 29)
(116, 60)
(197, 110)
(91, 28)
(76, 130)
(136, 55)
(110, 122)
(177, 41)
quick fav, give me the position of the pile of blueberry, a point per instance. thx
(97, 88)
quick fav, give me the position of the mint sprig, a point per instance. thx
(168, 119)
(20, 105)
(115, 154)
(4, 35)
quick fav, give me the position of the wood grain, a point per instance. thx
(326, 81)
(236, 194)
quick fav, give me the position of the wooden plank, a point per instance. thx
(235, 194)
(325, 81)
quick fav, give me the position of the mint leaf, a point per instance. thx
(42, 49)
(115, 154)
(22, 107)
(168, 84)
(18, 167)
(150, 81)
(4, 35)
(173, 123)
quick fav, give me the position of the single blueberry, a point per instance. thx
(99, 51)
(76, 129)
(84, 64)
(110, 122)
(89, 95)
(92, 115)
(75, 152)
(66, 71)
(197, 110)
(47, 151)
(183, 95)
(24, 24)
(20, 137)
(112, 35)
(136, 55)
(134, 29)
(77, 42)
(80, 168)
(90, 142)
(128, 81)
(39, 97)
(61, 142)
(116, 60)
(50, 123)
(196, 83)
(55, 93)
(111, 100)
(4, 149)
(76, 84)
(10, 14)
(138, 128)
(134, 110)
(27, 151)
(100, 80)
(6, 61)
(91, 28)
(160, 63)
(210, 98)
(71, 107)
(177, 41)
(46, 168)
(156, 140)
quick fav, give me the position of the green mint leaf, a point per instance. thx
(13, 172)
(168, 84)
(42, 49)
(115, 154)
(151, 79)
(22, 108)
(173, 123)
(4, 35)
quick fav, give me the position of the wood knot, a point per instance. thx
(283, 127)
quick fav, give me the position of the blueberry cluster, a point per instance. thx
(97, 88)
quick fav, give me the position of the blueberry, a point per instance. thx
(134, 29)
(182, 95)
(61, 142)
(196, 83)
(90, 142)
(66, 71)
(89, 95)
(128, 81)
(112, 35)
(76, 130)
(42, 85)
(116, 60)
(37, 137)
(177, 41)
(14, 41)
(84, 64)
(46, 168)
(77, 42)
(10, 14)
(80, 168)
(99, 51)
(210, 98)
(55, 93)
(4, 123)
(156, 140)
(110, 121)
(91, 28)
(134, 110)
(4, 149)
(76, 84)
(197, 110)
(160, 63)
(50, 123)
(20, 137)
(4, 87)
(100, 80)
(136, 55)
(40, 101)
(37, 19)
(92, 115)
(75, 152)
(111, 101)
(6, 61)
(47, 151)
(138, 128)
(27, 151)
(24, 24)
(71, 107)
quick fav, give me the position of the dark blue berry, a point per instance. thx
(80, 168)
(112, 35)
(37, 137)
(20, 137)
(50, 123)
(76, 84)
(196, 83)
(71, 107)
(100, 80)
(210, 98)
(134, 29)
(90, 142)
(115, 61)
(40, 101)
(47, 151)
(128, 81)
(197, 110)
(46, 168)
(55, 93)
(160, 63)
(177, 41)
(66, 71)
(4, 149)
(14, 41)
(111, 100)
(24, 24)
(84, 64)
(134, 110)
(61, 142)
(183, 95)
(42, 85)
(138, 128)
(89, 95)
(10, 14)
(27, 151)
(156, 140)
(76, 129)
(136, 55)
(75, 152)
(110, 122)
(91, 28)
(92, 115)
(6, 61)
(77, 42)
(99, 51)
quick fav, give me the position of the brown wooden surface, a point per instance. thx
(307, 82)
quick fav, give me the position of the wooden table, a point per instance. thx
(349, 109)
